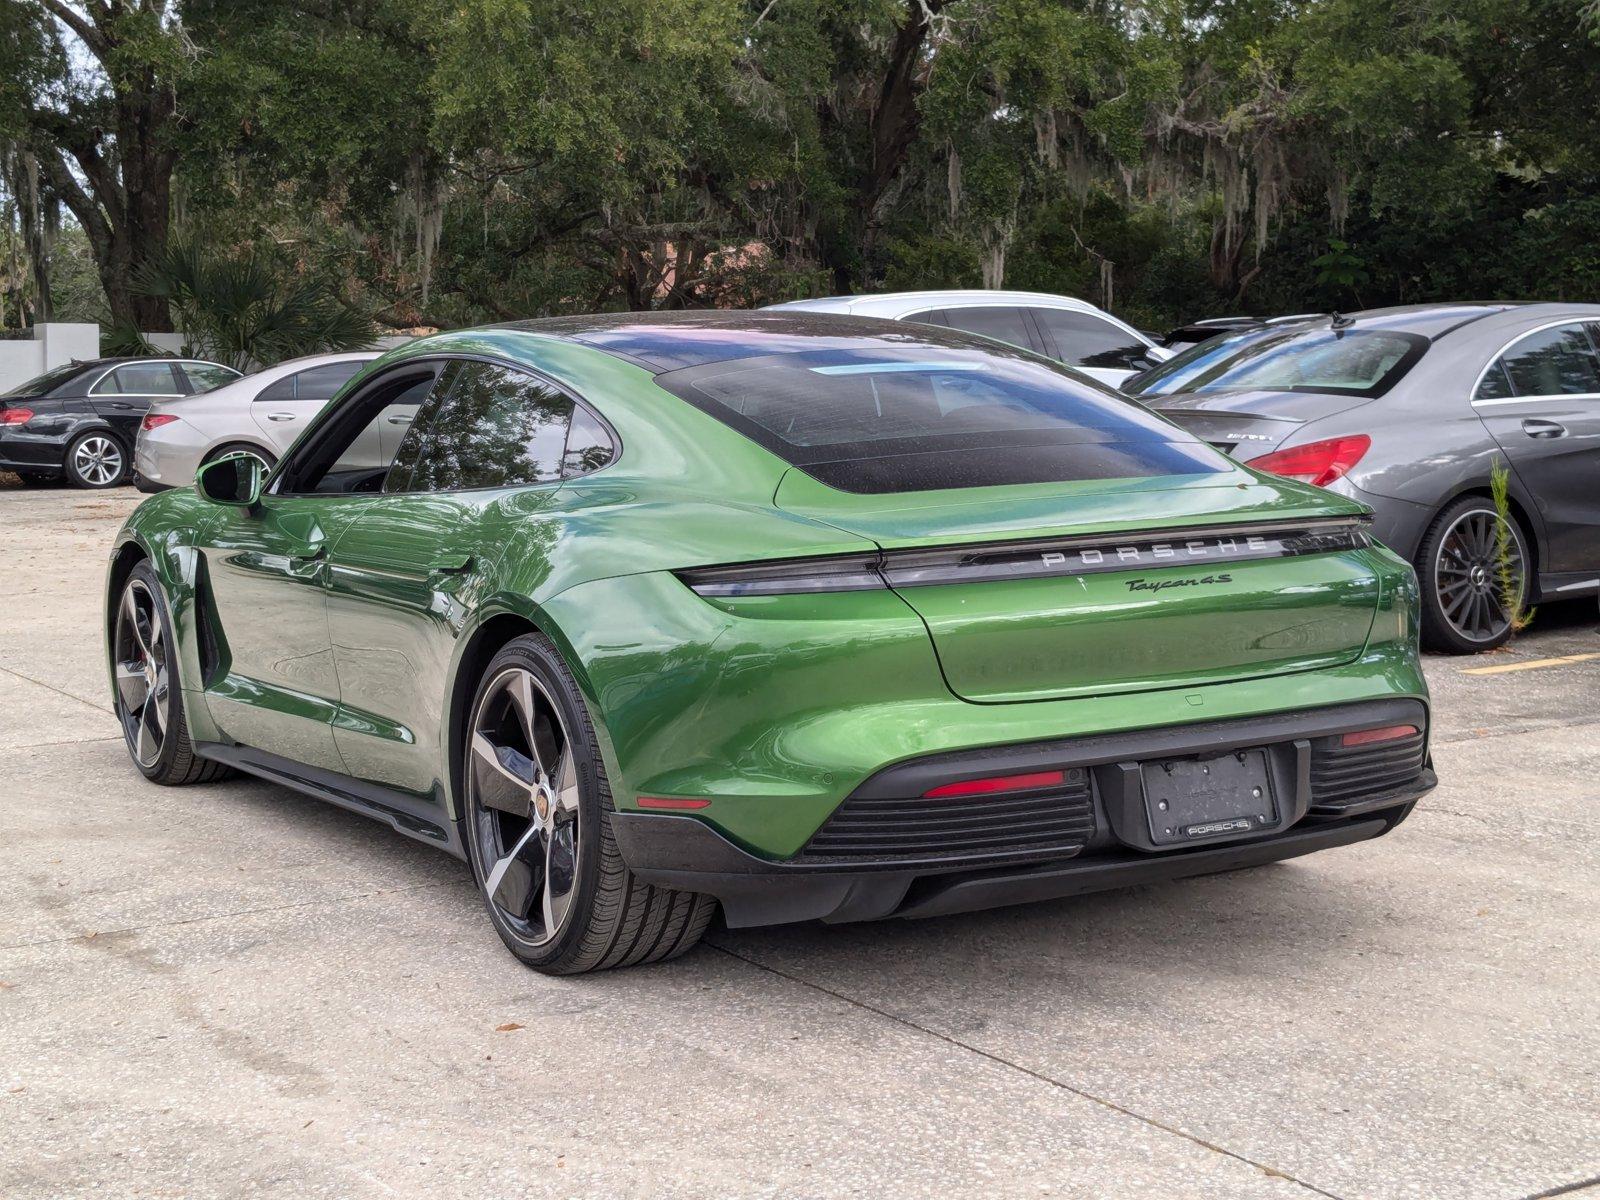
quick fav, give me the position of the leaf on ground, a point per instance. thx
(507, 1027)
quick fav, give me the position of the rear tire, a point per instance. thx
(267, 458)
(96, 460)
(1457, 567)
(147, 697)
(537, 825)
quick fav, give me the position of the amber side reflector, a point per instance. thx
(1389, 733)
(672, 802)
(997, 783)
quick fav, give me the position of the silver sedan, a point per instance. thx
(261, 414)
(1411, 410)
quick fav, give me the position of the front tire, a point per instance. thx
(148, 695)
(1464, 610)
(96, 460)
(537, 824)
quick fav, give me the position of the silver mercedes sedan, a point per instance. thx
(1410, 410)
(260, 414)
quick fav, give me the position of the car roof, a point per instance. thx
(670, 341)
(913, 301)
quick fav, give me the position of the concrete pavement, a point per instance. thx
(231, 990)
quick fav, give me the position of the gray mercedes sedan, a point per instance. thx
(1410, 410)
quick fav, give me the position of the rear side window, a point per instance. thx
(498, 427)
(1553, 362)
(205, 376)
(885, 420)
(1002, 324)
(1084, 340)
(320, 383)
(140, 379)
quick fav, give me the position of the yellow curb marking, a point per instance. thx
(1530, 666)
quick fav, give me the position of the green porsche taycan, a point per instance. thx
(793, 616)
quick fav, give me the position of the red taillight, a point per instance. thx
(671, 802)
(1315, 462)
(15, 416)
(156, 421)
(1389, 733)
(997, 783)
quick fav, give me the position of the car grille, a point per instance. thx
(1342, 776)
(1051, 823)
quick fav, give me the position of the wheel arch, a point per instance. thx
(1521, 512)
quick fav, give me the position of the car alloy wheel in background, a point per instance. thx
(96, 460)
(1466, 608)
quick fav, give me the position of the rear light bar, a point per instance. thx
(1389, 733)
(997, 783)
(1029, 559)
(156, 421)
(15, 416)
(1318, 463)
(673, 803)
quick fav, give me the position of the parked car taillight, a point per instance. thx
(1315, 462)
(15, 416)
(156, 420)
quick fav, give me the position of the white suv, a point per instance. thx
(1059, 327)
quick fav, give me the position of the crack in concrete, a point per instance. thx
(1566, 1189)
(1110, 1105)
(50, 687)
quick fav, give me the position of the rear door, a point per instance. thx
(484, 460)
(123, 394)
(285, 407)
(1540, 399)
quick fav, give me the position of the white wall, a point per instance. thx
(52, 345)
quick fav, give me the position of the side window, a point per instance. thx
(277, 391)
(1003, 324)
(355, 449)
(1553, 362)
(589, 446)
(1084, 340)
(320, 383)
(931, 317)
(140, 379)
(498, 427)
(1496, 384)
(205, 376)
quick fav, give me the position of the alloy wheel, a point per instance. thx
(142, 671)
(1467, 574)
(522, 781)
(97, 460)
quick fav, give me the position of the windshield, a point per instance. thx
(1177, 371)
(43, 385)
(879, 420)
(1348, 362)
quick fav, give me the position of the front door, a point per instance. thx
(276, 687)
(1541, 401)
(404, 582)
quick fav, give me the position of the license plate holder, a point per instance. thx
(1190, 800)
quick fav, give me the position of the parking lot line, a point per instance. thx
(1530, 665)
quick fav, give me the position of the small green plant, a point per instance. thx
(1512, 590)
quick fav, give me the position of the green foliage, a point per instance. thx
(248, 310)
(1512, 589)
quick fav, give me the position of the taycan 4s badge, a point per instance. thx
(1161, 585)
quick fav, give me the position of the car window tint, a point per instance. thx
(205, 376)
(589, 446)
(886, 420)
(498, 427)
(1003, 324)
(354, 449)
(1554, 362)
(140, 379)
(277, 390)
(934, 316)
(377, 446)
(1496, 384)
(1345, 362)
(43, 385)
(1084, 340)
(320, 383)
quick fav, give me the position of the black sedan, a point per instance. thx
(79, 422)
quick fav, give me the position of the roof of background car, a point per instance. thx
(669, 341)
(934, 298)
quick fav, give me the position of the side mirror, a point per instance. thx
(234, 479)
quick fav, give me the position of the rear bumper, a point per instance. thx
(32, 451)
(1317, 808)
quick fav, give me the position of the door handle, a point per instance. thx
(451, 564)
(1535, 428)
(399, 420)
(280, 416)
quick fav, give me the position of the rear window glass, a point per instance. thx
(1347, 362)
(932, 418)
(1176, 373)
(43, 385)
